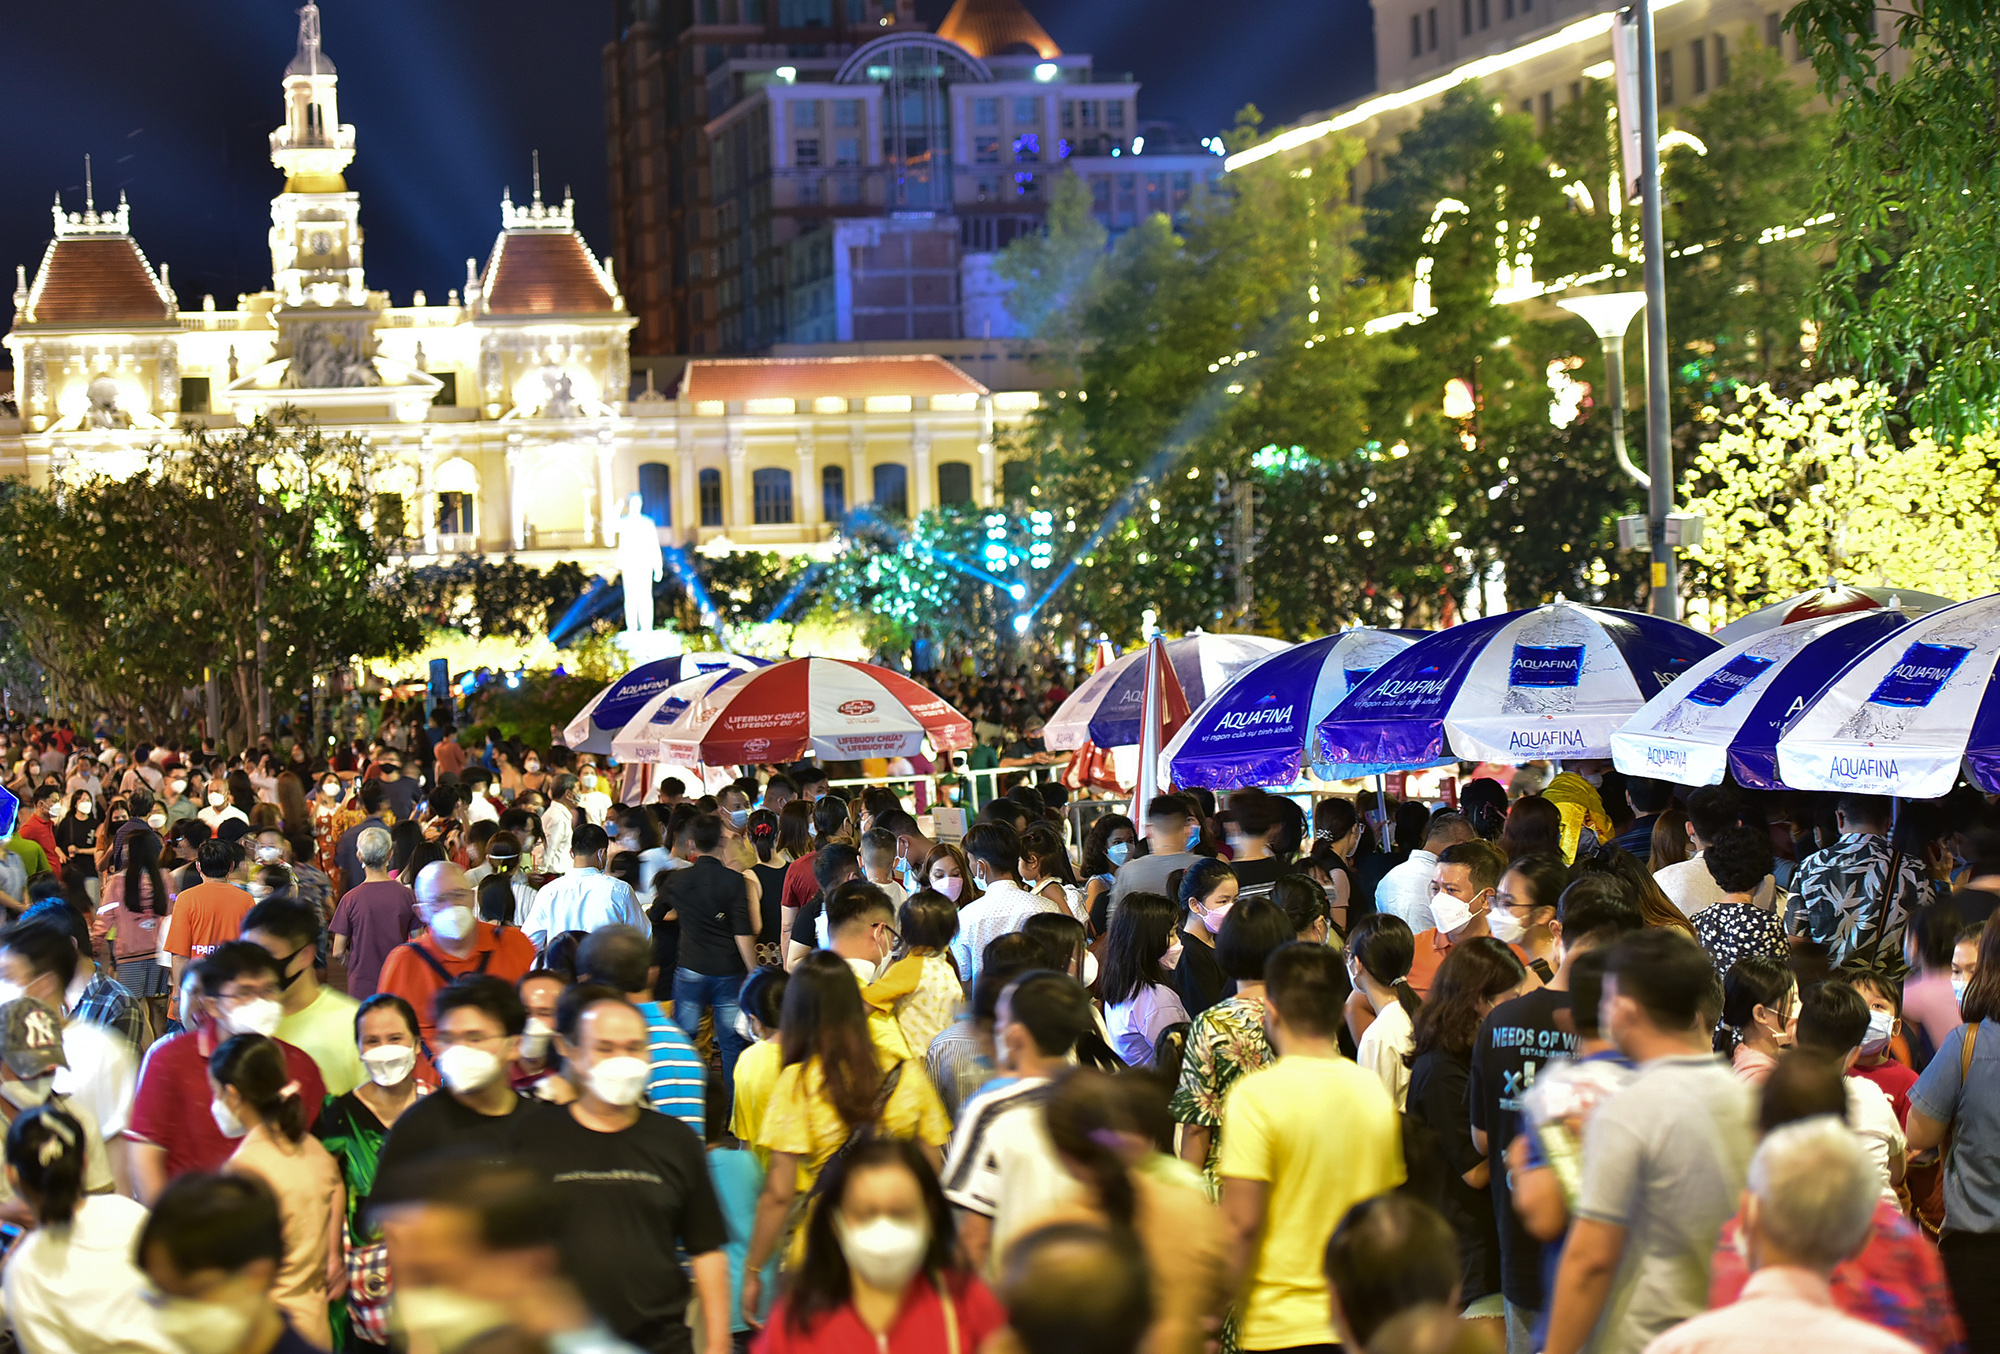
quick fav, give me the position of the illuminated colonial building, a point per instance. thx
(506, 418)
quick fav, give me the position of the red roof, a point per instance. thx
(544, 272)
(101, 279)
(805, 378)
(996, 28)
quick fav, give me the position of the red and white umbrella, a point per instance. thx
(826, 707)
(1835, 599)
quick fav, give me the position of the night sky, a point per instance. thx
(448, 97)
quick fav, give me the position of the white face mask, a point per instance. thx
(532, 765)
(216, 800)
(466, 1069)
(884, 1252)
(331, 789)
(443, 1319)
(1505, 926)
(83, 808)
(1450, 914)
(1958, 986)
(225, 1118)
(452, 923)
(179, 787)
(535, 1038)
(389, 1064)
(259, 1015)
(26, 1095)
(156, 820)
(202, 1327)
(587, 782)
(619, 1081)
(1880, 1027)
(950, 887)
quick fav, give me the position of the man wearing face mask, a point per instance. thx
(174, 801)
(585, 898)
(38, 958)
(620, 958)
(316, 1018)
(1172, 829)
(211, 912)
(733, 807)
(718, 939)
(1463, 884)
(559, 824)
(1001, 1172)
(31, 1054)
(994, 852)
(233, 991)
(861, 922)
(632, 1186)
(400, 793)
(454, 943)
(212, 1248)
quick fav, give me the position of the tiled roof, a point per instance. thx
(806, 378)
(544, 272)
(995, 28)
(100, 279)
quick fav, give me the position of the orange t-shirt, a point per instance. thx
(503, 952)
(1432, 946)
(205, 916)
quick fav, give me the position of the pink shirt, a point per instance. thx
(1783, 1310)
(1928, 1001)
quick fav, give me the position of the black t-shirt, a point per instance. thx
(1255, 877)
(439, 1125)
(1516, 1038)
(401, 795)
(1199, 977)
(629, 1200)
(1438, 1100)
(712, 903)
(770, 912)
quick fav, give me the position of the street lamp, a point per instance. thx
(1609, 316)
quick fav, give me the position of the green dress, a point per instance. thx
(349, 1130)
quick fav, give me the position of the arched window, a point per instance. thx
(892, 489)
(656, 493)
(771, 497)
(833, 493)
(710, 484)
(457, 485)
(954, 483)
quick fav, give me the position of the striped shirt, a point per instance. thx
(679, 1083)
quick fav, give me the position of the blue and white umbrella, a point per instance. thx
(611, 709)
(1105, 710)
(1724, 717)
(1552, 682)
(1258, 729)
(1907, 713)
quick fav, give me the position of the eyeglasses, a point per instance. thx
(443, 1040)
(895, 936)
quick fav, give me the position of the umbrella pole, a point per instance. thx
(1382, 837)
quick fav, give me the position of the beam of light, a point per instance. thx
(793, 593)
(690, 577)
(952, 562)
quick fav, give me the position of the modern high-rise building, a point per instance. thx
(810, 172)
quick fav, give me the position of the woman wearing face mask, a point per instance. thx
(256, 1102)
(137, 902)
(1228, 1039)
(352, 1128)
(1139, 997)
(1045, 869)
(947, 872)
(772, 861)
(1760, 1004)
(1476, 976)
(1208, 891)
(76, 834)
(532, 775)
(1379, 955)
(1523, 907)
(1111, 841)
(114, 815)
(881, 1273)
(536, 1070)
(71, 1286)
(1337, 833)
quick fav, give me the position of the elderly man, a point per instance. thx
(558, 824)
(374, 917)
(585, 898)
(455, 942)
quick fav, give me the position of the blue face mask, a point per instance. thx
(1194, 838)
(738, 817)
(1117, 852)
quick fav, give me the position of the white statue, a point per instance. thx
(641, 563)
(562, 399)
(104, 410)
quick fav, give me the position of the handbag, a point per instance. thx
(368, 1285)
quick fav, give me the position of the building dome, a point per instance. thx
(997, 28)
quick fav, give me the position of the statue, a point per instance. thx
(104, 410)
(324, 359)
(561, 401)
(641, 563)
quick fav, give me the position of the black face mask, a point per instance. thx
(285, 976)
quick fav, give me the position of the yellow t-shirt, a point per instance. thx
(1322, 1134)
(325, 1030)
(800, 1119)
(756, 1077)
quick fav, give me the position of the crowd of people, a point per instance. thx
(442, 1043)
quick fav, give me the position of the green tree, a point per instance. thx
(486, 597)
(1050, 273)
(1914, 186)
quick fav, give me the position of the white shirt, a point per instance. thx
(1135, 1025)
(1004, 908)
(594, 803)
(558, 822)
(582, 900)
(1690, 887)
(479, 809)
(1382, 1047)
(75, 1290)
(1873, 1120)
(1406, 890)
(103, 1074)
(1001, 1165)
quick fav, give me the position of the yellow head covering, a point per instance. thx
(1577, 801)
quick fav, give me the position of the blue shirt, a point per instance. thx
(738, 1180)
(1972, 1110)
(678, 1085)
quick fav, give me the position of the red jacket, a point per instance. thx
(919, 1328)
(42, 833)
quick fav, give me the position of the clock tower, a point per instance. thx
(315, 221)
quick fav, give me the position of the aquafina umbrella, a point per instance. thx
(1724, 717)
(1258, 729)
(1552, 682)
(1907, 713)
(1105, 710)
(611, 709)
(1834, 599)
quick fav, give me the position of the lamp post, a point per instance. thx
(1609, 316)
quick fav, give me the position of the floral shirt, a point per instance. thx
(1897, 1282)
(1226, 1041)
(1733, 931)
(1837, 900)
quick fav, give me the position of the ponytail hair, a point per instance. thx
(254, 1068)
(1752, 981)
(46, 1149)
(1384, 946)
(1088, 1121)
